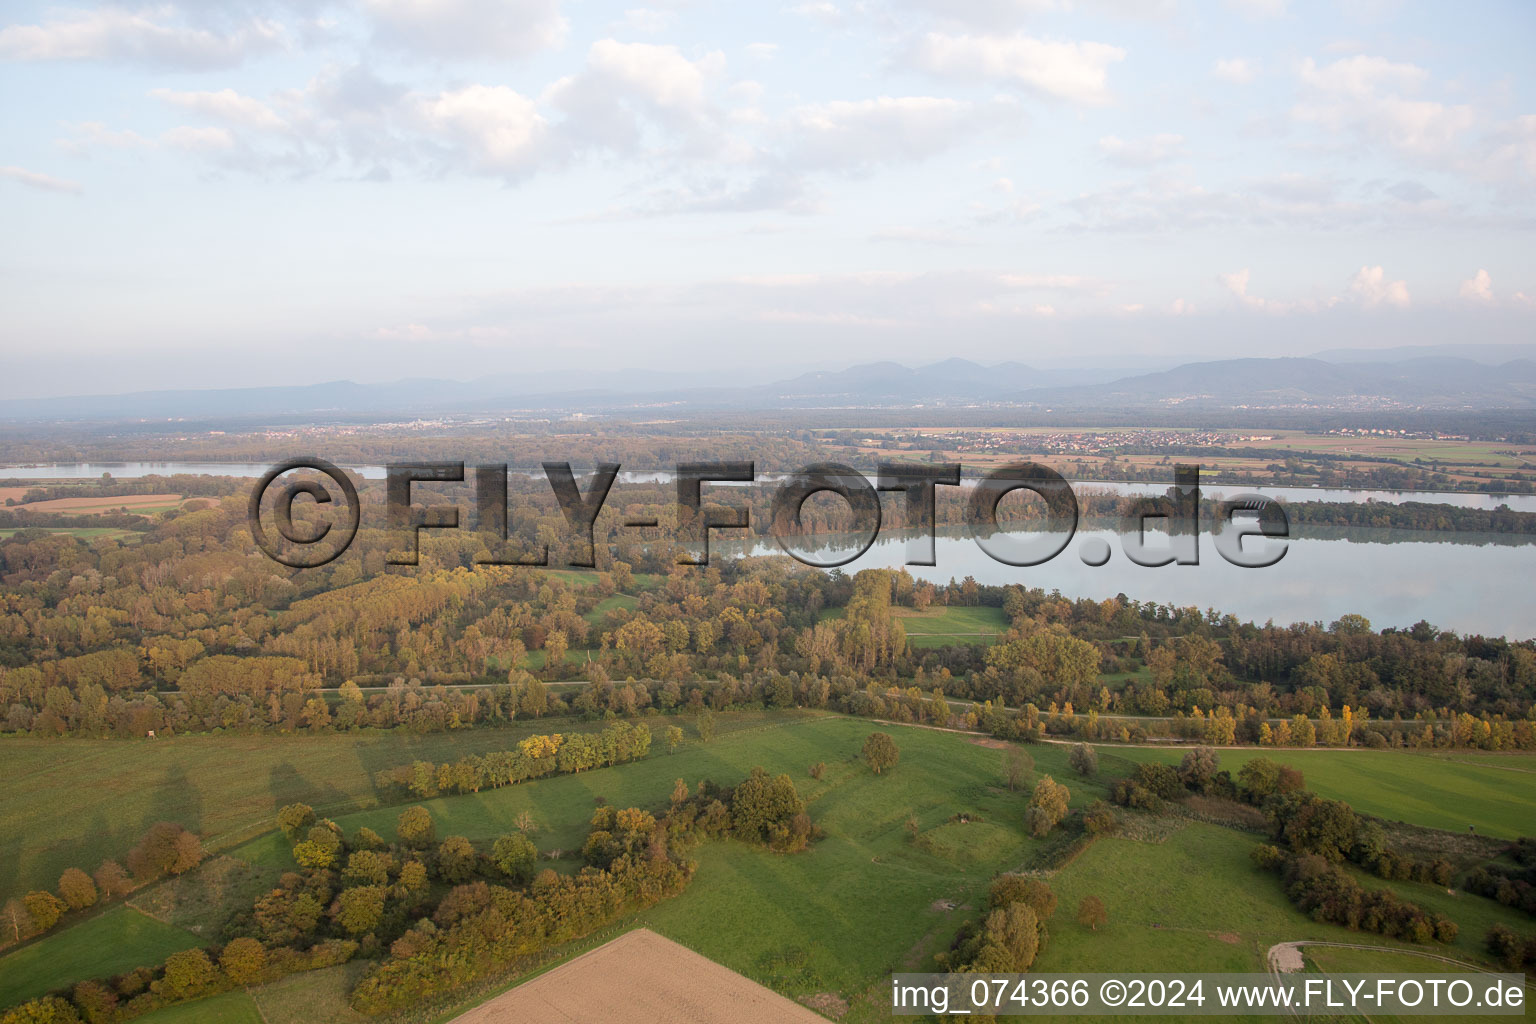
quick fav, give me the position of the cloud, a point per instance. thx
(826, 13)
(1259, 8)
(468, 28)
(862, 133)
(140, 37)
(1141, 152)
(499, 129)
(1236, 282)
(1371, 288)
(1236, 70)
(1364, 97)
(46, 182)
(1479, 288)
(224, 105)
(1076, 72)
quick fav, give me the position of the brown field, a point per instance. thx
(86, 505)
(640, 978)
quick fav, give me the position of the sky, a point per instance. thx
(215, 193)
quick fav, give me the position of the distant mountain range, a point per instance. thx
(1433, 382)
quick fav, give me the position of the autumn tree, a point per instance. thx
(415, 827)
(187, 973)
(1017, 766)
(243, 959)
(44, 908)
(77, 889)
(515, 856)
(674, 738)
(705, 723)
(1083, 759)
(366, 867)
(295, 819)
(359, 909)
(1091, 912)
(112, 879)
(880, 752)
(456, 859)
(1047, 806)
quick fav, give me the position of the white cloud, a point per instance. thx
(1141, 152)
(198, 140)
(1479, 288)
(1363, 96)
(35, 179)
(659, 74)
(468, 28)
(144, 37)
(1236, 70)
(1370, 288)
(826, 13)
(1259, 8)
(857, 133)
(500, 129)
(1078, 72)
(224, 105)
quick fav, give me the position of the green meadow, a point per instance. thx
(116, 940)
(905, 858)
(1492, 793)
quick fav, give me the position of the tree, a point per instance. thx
(1083, 759)
(1098, 818)
(187, 974)
(880, 752)
(1091, 913)
(705, 723)
(1047, 806)
(1258, 779)
(1017, 766)
(295, 819)
(44, 908)
(456, 859)
(366, 867)
(415, 827)
(112, 879)
(679, 792)
(48, 1010)
(1198, 768)
(535, 698)
(1011, 888)
(674, 738)
(359, 909)
(555, 646)
(77, 889)
(515, 856)
(243, 959)
(158, 853)
(15, 920)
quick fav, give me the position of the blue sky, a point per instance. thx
(281, 191)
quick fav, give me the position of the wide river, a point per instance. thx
(1471, 588)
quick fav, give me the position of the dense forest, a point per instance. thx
(189, 628)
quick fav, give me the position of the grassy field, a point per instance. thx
(75, 803)
(1496, 794)
(941, 626)
(867, 899)
(229, 1008)
(116, 940)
